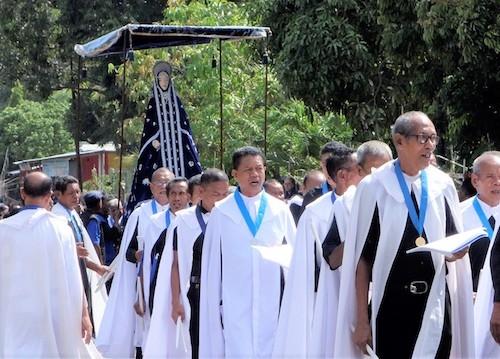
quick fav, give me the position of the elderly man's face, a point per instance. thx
(372, 162)
(415, 149)
(487, 181)
(276, 190)
(158, 186)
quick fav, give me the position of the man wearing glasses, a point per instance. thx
(121, 326)
(421, 303)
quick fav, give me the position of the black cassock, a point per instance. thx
(406, 292)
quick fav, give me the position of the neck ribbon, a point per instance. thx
(482, 217)
(417, 220)
(252, 226)
(201, 221)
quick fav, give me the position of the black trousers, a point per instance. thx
(194, 325)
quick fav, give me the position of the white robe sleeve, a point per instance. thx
(115, 339)
(459, 281)
(211, 331)
(291, 230)
(293, 333)
(362, 209)
(161, 337)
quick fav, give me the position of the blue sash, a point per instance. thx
(324, 187)
(154, 208)
(201, 222)
(482, 217)
(418, 221)
(29, 206)
(253, 227)
(154, 260)
(77, 231)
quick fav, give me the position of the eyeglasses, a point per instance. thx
(423, 138)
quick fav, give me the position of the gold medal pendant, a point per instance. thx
(420, 241)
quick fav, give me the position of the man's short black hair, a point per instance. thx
(339, 160)
(62, 183)
(331, 148)
(211, 175)
(194, 181)
(175, 181)
(93, 199)
(246, 151)
(38, 188)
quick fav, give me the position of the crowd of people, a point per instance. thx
(333, 267)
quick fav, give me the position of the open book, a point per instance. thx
(452, 244)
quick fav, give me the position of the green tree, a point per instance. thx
(374, 59)
(295, 132)
(32, 129)
(38, 39)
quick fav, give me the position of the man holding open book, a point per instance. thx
(421, 304)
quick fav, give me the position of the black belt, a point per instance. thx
(417, 287)
(195, 279)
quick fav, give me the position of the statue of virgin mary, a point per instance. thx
(167, 139)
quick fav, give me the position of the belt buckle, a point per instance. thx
(419, 287)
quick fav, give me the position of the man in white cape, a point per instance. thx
(243, 256)
(178, 285)
(421, 304)
(122, 328)
(42, 308)
(154, 243)
(371, 154)
(91, 266)
(293, 336)
(483, 210)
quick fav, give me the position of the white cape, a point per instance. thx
(161, 341)
(41, 288)
(486, 347)
(155, 228)
(382, 188)
(99, 294)
(293, 336)
(116, 337)
(240, 290)
(327, 298)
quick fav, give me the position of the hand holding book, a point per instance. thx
(454, 244)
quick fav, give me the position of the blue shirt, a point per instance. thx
(94, 229)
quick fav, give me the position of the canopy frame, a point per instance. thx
(130, 37)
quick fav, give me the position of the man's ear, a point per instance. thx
(474, 179)
(23, 194)
(398, 139)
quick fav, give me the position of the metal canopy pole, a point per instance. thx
(78, 123)
(122, 120)
(266, 65)
(221, 109)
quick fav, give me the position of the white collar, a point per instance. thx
(411, 179)
(253, 199)
(160, 207)
(488, 210)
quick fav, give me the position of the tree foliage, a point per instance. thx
(32, 129)
(295, 133)
(374, 59)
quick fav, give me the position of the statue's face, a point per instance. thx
(163, 80)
